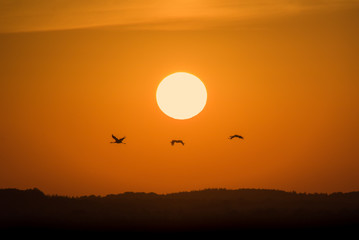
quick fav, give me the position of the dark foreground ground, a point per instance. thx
(207, 211)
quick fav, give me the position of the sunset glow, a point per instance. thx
(283, 74)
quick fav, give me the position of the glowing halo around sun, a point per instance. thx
(181, 95)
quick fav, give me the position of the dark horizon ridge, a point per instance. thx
(35, 189)
(202, 210)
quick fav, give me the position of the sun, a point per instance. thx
(181, 95)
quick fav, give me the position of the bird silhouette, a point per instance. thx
(118, 140)
(177, 141)
(235, 136)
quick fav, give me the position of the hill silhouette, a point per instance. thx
(205, 210)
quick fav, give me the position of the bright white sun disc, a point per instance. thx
(181, 95)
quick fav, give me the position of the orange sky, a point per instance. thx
(284, 75)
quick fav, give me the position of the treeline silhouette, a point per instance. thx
(205, 210)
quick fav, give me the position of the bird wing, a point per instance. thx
(116, 139)
(237, 136)
(181, 142)
(121, 139)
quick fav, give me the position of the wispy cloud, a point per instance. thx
(44, 15)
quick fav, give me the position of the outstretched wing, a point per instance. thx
(116, 139)
(177, 141)
(121, 139)
(235, 136)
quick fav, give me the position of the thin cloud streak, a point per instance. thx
(43, 15)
